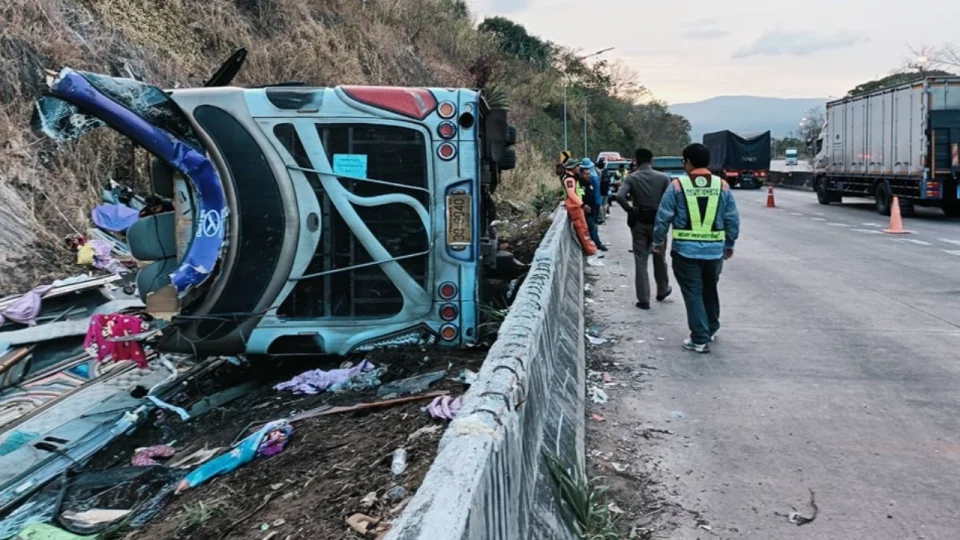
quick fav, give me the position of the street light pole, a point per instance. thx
(565, 140)
(585, 152)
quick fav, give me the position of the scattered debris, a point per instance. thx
(318, 380)
(597, 418)
(598, 395)
(607, 379)
(411, 385)
(596, 341)
(369, 500)
(677, 414)
(444, 408)
(468, 377)
(619, 467)
(800, 520)
(399, 463)
(428, 430)
(362, 523)
(268, 441)
(144, 457)
(195, 459)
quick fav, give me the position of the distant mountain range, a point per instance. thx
(745, 114)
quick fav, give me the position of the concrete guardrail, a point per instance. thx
(489, 480)
(793, 180)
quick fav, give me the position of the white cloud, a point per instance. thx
(797, 43)
(706, 34)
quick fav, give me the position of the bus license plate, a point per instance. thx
(459, 222)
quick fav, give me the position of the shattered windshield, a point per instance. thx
(62, 121)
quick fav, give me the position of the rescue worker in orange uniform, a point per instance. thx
(575, 206)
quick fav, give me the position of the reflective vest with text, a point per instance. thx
(702, 216)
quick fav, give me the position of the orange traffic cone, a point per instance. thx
(896, 222)
(770, 203)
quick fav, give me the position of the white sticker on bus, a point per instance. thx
(352, 165)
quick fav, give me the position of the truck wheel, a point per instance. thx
(822, 196)
(882, 198)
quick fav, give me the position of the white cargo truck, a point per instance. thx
(899, 141)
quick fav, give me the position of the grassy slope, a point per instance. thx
(46, 193)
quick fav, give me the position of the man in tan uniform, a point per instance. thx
(645, 188)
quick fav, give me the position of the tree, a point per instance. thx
(514, 40)
(895, 80)
(810, 127)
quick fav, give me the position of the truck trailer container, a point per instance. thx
(741, 160)
(899, 141)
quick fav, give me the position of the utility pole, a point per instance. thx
(585, 153)
(565, 140)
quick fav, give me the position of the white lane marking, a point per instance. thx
(817, 219)
(917, 242)
(867, 231)
(870, 224)
(957, 253)
(818, 213)
(796, 214)
(837, 224)
(954, 242)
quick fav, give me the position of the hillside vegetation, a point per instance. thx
(47, 193)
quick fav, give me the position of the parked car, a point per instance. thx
(672, 165)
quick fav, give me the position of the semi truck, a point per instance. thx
(791, 157)
(741, 160)
(898, 141)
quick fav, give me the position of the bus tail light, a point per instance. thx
(448, 290)
(447, 110)
(449, 312)
(447, 130)
(447, 151)
(449, 332)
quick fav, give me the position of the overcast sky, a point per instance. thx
(695, 49)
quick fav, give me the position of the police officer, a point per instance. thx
(701, 209)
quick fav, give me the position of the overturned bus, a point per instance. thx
(307, 220)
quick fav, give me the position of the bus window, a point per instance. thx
(393, 154)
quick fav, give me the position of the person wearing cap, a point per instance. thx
(703, 213)
(591, 187)
(575, 206)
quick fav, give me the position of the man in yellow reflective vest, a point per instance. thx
(703, 214)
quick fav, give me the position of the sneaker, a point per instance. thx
(665, 295)
(689, 345)
(641, 305)
(713, 338)
(603, 248)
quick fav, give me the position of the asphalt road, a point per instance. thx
(836, 371)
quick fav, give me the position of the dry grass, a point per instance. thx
(47, 192)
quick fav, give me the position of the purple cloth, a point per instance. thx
(444, 408)
(103, 257)
(25, 309)
(275, 441)
(317, 380)
(115, 217)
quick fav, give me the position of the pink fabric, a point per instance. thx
(444, 407)
(145, 456)
(25, 309)
(103, 257)
(103, 327)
